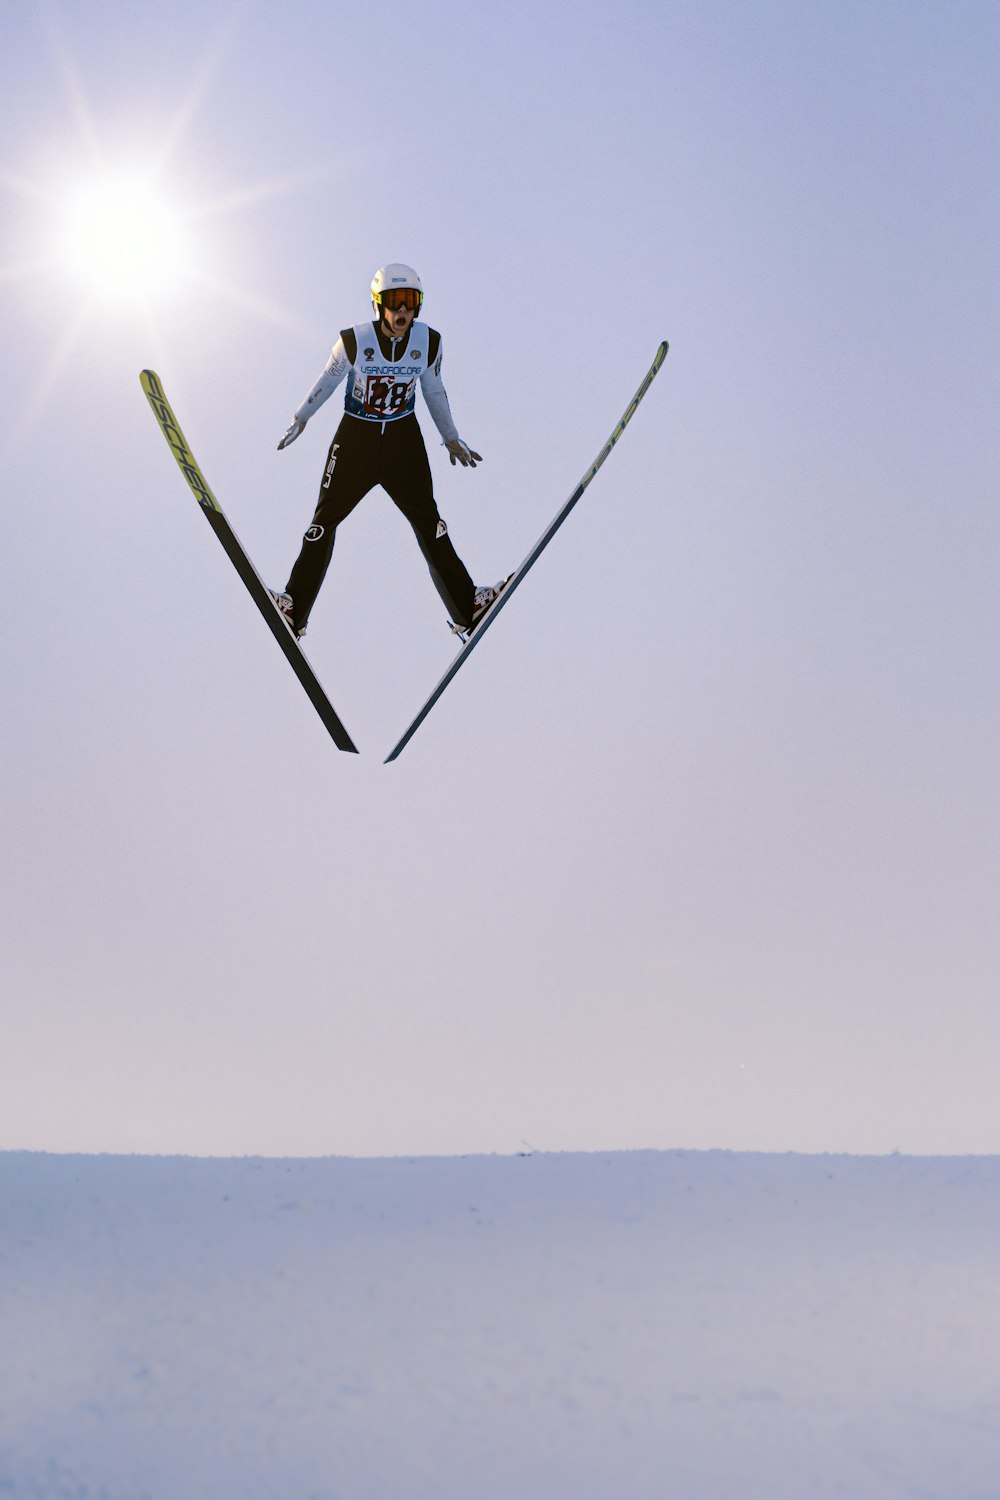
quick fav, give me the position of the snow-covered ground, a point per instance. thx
(643, 1324)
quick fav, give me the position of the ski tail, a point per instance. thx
(170, 427)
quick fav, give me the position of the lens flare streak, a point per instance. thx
(116, 233)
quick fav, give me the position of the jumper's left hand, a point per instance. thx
(462, 454)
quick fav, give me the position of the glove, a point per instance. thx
(462, 454)
(296, 430)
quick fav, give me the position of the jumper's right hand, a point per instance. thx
(296, 430)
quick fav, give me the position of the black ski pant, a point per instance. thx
(392, 454)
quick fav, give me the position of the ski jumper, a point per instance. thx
(379, 442)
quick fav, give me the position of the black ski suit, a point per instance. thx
(366, 452)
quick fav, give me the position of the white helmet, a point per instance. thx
(397, 277)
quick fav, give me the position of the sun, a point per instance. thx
(134, 253)
(123, 239)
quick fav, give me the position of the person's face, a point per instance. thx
(399, 308)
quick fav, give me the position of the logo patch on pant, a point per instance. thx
(314, 533)
(331, 464)
(441, 531)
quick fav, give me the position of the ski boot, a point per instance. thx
(285, 606)
(485, 597)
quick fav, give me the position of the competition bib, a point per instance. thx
(378, 389)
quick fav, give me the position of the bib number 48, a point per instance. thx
(387, 397)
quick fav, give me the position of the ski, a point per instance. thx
(170, 428)
(475, 636)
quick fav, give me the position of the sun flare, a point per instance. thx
(132, 253)
(123, 239)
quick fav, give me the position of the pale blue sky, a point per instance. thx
(702, 848)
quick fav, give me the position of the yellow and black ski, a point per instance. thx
(241, 562)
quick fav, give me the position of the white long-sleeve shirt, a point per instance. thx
(382, 376)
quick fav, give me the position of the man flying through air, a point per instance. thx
(379, 442)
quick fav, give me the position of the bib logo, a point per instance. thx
(314, 533)
(442, 530)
